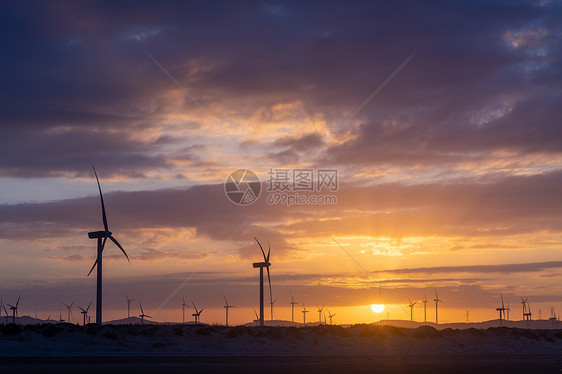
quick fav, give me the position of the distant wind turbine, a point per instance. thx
(128, 304)
(60, 316)
(197, 313)
(265, 264)
(501, 310)
(102, 237)
(69, 307)
(183, 305)
(304, 311)
(85, 312)
(425, 301)
(411, 305)
(437, 301)
(226, 308)
(14, 310)
(330, 315)
(293, 303)
(319, 313)
(142, 315)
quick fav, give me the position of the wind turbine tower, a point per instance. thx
(128, 305)
(265, 264)
(330, 315)
(293, 303)
(227, 307)
(85, 312)
(319, 313)
(501, 310)
(304, 311)
(197, 313)
(69, 308)
(102, 237)
(142, 315)
(183, 305)
(425, 301)
(411, 305)
(14, 309)
(437, 301)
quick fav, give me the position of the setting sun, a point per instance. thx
(377, 308)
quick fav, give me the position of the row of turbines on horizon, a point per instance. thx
(103, 236)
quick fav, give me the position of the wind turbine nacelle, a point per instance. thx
(261, 264)
(98, 234)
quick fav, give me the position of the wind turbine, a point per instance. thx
(293, 303)
(85, 312)
(128, 304)
(102, 237)
(271, 303)
(69, 307)
(142, 315)
(304, 311)
(425, 301)
(60, 316)
(227, 307)
(507, 309)
(437, 301)
(411, 305)
(524, 304)
(183, 305)
(257, 317)
(265, 264)
(14, 310)
(197, 313)
(528, 314)
(330, 315)
(501, 310)
(319, 313)
(6, 312)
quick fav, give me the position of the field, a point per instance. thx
(66, 348)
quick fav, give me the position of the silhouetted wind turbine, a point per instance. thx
(425, 301)
(227, 307)
(524, 304)
(304, 311)
(85, 312)
(102, 237)
(528, 314)
(183, 305)
(319, 313)
(437, 301)
(14, 310)
(197, 313)
(60, 316)
(257, 317)
(265, 264)
(501, 309)
(411, 305)
(293, 303)
(330, 315)
(142, 315)
(69, 307)
(128, 304)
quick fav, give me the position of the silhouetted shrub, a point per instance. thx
(51, 331)
(423, 332)
(206, 331)
(11, 329)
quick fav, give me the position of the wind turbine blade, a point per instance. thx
(142, 311)
(102, 204)
(268, 252)
(226, 301)
(183, 298)
(148, 316)
(81, 309)
(126, 297)
(269, 281)
(263, 253)
(17, 302)
(72, 303)
(90, 272)
(88, 308)
(119, 245)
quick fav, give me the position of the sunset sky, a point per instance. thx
(443, 120)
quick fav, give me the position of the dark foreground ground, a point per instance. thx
(284, 364)
(65, 348)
